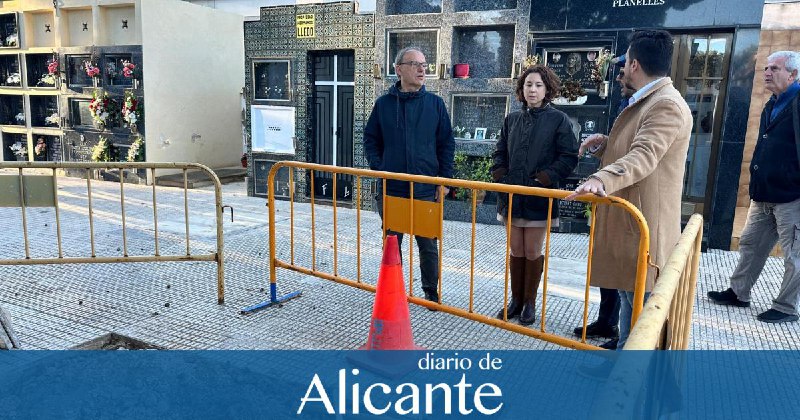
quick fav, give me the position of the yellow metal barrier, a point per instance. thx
(423, 210)
(665, 324)
(24, 191)
(671, 302)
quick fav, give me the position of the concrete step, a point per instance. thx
(197, 179)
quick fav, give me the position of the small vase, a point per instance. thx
(100, 126)
(135, 84)
(461, 71)
(134, 129)
(560, 100)
(22, 158)
(95, 82)
(602, 90)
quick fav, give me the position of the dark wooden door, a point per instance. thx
(332, 120)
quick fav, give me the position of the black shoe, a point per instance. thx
(727, 297)
(773, 316)
(432, 296)
(610, 344)
(596, 329)
(528, 314)
(513, 309)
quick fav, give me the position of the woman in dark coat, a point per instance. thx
(537, 148)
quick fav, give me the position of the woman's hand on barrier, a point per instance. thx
(499, 173)
(592, 144)
(591, 186)
(543, 179)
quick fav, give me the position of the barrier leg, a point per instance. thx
(273, 300)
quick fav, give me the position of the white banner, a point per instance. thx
(272, 128)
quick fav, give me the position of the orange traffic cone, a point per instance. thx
(391, 324)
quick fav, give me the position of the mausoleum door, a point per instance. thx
(332, 119)
(700, 70)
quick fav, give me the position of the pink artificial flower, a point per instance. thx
(127, 68)
(52, 67)
(91, 70)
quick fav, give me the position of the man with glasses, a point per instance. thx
(409, 132)
(774, 213)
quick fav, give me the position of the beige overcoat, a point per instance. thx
(642, 162)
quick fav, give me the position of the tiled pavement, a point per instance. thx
(174, 304)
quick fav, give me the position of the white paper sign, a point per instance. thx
(272, 128)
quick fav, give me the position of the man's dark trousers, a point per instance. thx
(428, 253)
(609, 307)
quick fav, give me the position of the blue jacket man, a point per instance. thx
(774, 213)
(409, 132)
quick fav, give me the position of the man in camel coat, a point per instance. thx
(643, 161)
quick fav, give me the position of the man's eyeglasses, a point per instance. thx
(416, 64)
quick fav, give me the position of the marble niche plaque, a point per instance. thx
(574, 64)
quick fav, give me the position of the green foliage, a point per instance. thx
(101, 152)
(473, 169)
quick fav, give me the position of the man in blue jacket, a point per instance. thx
(409, 131)
(774, 212)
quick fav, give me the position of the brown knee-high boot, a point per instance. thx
(517, 274)
(533, 274)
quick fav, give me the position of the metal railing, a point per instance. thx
(644, 378)
(25, 191)
(468, 312)
(668, 311)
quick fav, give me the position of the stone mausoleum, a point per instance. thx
(297, 72)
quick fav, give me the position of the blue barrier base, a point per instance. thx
(273, 300)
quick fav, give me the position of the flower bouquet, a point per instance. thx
(101, 152)
(52, 120)
(19, 150)
(571, 93)
(131, 110)
(531, 61)
(136, 151)
(103, 109)
(600, 69)
(129, 69)
(14, 79)
(91, 69)
(51, 76)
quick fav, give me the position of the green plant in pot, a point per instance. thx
(472, 168)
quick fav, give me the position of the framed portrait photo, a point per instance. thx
(574, 64)
(480, 133)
